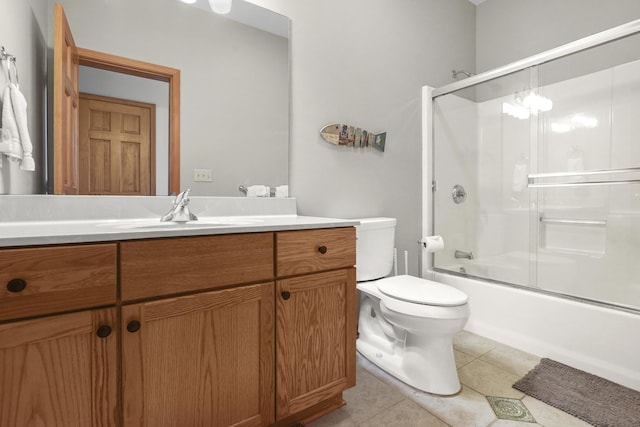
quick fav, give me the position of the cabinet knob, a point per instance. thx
(286, 295)
(322, 249)
(103, 331)
(133, 326)
(16, 285)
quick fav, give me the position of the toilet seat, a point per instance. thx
(421, 291)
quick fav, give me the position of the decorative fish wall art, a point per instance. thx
(351, 136)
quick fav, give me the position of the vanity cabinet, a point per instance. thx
(205, 358)
(315, 319)
(252, 329)
(58, 369)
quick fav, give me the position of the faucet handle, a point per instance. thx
(182, 198)
(180, 211)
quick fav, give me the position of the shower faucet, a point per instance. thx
(461, 254)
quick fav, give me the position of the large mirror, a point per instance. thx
(234, 84)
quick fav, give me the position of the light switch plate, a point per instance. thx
(202, 175)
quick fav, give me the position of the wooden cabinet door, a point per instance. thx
(57, 371)
(316, 339)
(200, 360)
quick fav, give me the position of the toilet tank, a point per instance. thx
(374, 248)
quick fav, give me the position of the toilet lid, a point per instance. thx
(421, 291)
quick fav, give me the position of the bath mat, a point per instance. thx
(597, 401)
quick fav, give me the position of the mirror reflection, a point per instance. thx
(234, 82)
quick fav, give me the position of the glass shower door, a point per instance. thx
(588, 176)
(482, 144)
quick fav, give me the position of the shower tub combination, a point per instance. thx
(535, 187)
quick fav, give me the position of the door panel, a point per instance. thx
(56, 372)
(216, 366)
(117, 146)
(316, 335)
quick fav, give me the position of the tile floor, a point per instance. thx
(486, 369)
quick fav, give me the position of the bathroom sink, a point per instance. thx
(156, 224)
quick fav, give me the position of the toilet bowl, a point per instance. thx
(405, 324)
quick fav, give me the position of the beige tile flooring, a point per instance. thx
(485, 367)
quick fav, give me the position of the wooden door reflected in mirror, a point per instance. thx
(116, 146)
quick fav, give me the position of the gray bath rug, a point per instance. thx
(597, 401)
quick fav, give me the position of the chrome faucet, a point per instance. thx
(180, 210)
(460, 254)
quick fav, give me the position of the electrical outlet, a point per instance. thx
(202, 175)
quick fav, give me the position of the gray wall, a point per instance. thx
(508, 30)
(23, 33)
(363, 62)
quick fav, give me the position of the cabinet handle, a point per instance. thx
(133, 326)
(286, 295)
(103, 331)
(322, 249)
(16, 285)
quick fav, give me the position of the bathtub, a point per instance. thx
(591, 337)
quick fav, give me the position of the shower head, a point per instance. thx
(455, 73)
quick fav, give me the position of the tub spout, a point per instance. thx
(461, 254)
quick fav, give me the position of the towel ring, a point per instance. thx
(11, 59)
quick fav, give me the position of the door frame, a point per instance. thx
(119, 64)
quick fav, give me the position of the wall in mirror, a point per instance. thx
(234, 82)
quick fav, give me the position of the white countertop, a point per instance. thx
(45, 220)
(27, 233)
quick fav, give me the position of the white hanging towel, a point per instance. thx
(14, 120)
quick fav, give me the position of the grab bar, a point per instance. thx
(568, 221)
(581, 173)
(583, 183)
(533, 176)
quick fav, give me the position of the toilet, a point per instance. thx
(405, 324)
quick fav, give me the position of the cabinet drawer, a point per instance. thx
(307, 251)
(150, 268)
(55, 279)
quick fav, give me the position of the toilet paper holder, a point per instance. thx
(432, 243)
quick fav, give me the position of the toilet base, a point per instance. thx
(436, 374)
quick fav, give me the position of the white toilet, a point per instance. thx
(405, 324)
